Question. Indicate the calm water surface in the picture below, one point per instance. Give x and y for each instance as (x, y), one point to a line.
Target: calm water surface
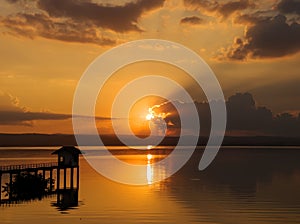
(243, 185)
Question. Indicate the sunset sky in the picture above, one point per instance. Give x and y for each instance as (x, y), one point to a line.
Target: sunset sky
(46, 45)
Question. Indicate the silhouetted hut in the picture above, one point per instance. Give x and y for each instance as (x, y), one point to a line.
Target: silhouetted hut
(68, 156)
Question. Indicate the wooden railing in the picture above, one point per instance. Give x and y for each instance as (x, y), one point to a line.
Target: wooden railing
(28, 166)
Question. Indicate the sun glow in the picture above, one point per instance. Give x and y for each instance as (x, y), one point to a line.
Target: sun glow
(149, 147)
(150, 115)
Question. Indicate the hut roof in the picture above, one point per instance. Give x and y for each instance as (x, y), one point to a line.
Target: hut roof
(70, 149)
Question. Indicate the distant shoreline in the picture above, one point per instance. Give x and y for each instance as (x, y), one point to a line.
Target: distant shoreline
(44, 140)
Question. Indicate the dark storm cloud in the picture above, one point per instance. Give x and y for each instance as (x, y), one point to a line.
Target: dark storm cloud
(266, 38)
(225, 9)
(243, 116)
(289, 6)
(192, 20)
(76, 20)
(118, 18)
(41, 25)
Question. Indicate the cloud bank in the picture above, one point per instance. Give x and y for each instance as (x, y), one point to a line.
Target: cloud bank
(271, 33)
(244, 117)
(118, 18)
(11, 113)
(80, 21)
(289, 6)
(269, 37)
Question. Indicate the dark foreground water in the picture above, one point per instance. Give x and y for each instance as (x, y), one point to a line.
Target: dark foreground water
(243, 185)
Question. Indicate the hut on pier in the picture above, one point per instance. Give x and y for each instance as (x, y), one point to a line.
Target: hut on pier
(67, 156)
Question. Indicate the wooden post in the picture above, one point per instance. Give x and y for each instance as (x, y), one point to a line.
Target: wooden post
(0, 187)
(72, 178)
(51, 177)
(57, 179)
(77, 179)
(10, 185)
(65, 178)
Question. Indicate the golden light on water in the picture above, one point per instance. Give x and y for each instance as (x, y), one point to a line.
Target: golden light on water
(149, 169)
(149, 174)
(149, 157)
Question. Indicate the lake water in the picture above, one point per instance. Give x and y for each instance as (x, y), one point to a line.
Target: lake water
(242, 185)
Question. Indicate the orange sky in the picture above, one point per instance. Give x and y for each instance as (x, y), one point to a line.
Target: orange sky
(47, 45)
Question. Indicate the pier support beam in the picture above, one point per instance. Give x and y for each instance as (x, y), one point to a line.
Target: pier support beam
(0, 187)
(77, 178)
(10, 185)
(72, 178)
(65, 178)
(51, 179)
(57, 179)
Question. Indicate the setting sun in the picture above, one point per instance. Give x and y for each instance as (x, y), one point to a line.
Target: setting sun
(149, 117)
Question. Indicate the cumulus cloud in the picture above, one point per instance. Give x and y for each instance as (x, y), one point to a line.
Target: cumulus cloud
(77, 20)
(192, 20)
(268, 33)
(244, 117)
(289, 6)
(224, 9)
(267, 37)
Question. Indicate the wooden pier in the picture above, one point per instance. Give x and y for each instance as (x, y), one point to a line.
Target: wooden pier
(68, 159)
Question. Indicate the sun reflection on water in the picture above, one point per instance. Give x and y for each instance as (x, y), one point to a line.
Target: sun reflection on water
(149, 169)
